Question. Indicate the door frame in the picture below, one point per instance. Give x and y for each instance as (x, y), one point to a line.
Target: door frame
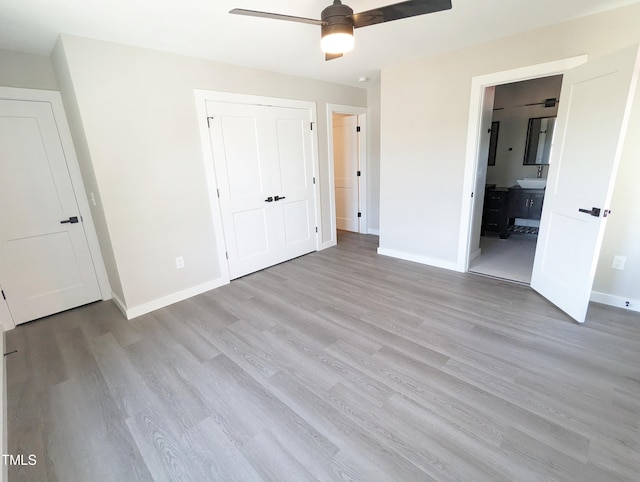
(361, 112)
(55, 100)
(201, 98)
(476, 127)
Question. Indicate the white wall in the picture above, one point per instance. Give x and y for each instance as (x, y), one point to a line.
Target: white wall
(27, 71)
(514, 117)
(135, 120)
(425, 106)
(622, 235)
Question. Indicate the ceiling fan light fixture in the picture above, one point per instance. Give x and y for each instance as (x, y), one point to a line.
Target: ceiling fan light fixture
(336, 36)
(337, 43)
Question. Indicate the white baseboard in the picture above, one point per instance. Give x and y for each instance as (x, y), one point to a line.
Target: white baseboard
(119, 303)
(438, 263)
(150, 306)
(373, 231)
(618, 301)
(328, 244)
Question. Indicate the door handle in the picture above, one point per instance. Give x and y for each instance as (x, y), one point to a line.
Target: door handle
(71, 220)
(277, 198)
(593, 211)
(269, 199)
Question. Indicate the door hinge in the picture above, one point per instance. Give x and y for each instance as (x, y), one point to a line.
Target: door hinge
(316, 229)
(311, 125)
(358, 129)
(218, 191)
(358, 173)
(226, 254)
(3, 295)
(314, 180)
(208, 121)
(359, 215)
(472, 194)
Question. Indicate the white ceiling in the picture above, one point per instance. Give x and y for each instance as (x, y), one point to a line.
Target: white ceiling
(203, 28)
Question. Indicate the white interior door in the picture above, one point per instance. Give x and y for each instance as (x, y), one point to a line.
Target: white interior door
(292, 174)
(264, 171)
(590, 128)
(346, 165)
(481, 170)
(240, 143)
(45, 263)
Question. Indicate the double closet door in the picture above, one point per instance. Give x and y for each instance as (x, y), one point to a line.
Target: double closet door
(263, 159)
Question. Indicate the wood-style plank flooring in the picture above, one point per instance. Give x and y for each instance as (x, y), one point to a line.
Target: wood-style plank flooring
(340, 365)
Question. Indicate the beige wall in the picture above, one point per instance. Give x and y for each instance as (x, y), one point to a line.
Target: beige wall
(135, 125)
(26, 71)
(425, 114)
(373, 161)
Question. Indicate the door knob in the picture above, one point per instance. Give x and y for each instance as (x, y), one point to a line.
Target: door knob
(593, 211)
(277, 198)
(71, 220)
(269, 199)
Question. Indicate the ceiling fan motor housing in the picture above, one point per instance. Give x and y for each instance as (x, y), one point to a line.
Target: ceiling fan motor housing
(337, 18)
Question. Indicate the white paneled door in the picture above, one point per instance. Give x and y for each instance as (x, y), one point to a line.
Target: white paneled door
(590, 129)
(45, 262)
(345, 171)
(264, 171)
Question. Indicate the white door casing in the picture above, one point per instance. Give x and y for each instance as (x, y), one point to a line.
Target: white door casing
(361, 113)
(481, 170)
(478, 110)
(590, 129)
(263, 162)
(346, 166)
(45, 266)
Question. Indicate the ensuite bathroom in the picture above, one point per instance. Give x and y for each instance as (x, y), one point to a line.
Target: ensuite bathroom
(521, 136)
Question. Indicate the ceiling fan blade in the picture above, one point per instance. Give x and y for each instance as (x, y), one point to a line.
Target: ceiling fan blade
(275, 16)
(399, 11)
(328, 57)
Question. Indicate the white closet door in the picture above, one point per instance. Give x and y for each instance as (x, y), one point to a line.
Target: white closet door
(241, 153)
(264, 171)
(293, 182)
(45, 263)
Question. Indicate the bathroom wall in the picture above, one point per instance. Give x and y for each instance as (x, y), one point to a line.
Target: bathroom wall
(511, 111)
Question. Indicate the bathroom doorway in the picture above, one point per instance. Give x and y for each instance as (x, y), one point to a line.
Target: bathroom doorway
(519, 145)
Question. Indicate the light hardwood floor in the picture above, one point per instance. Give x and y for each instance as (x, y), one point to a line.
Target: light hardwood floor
(340, 365)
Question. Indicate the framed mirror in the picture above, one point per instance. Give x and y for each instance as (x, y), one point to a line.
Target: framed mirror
(493, 143)
(539, 138)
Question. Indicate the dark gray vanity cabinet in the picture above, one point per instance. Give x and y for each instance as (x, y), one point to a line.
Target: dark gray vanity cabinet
(494, 213)
(525, 203)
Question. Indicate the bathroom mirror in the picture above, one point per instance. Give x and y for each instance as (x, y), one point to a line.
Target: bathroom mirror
(493, 143)
(539, 138)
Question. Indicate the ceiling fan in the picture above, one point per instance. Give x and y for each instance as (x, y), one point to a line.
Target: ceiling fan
(338, 20)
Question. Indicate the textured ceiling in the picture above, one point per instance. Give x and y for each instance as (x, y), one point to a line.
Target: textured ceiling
(203, 28)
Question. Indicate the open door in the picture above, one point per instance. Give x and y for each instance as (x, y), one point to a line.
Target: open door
(592, 118)
(346, 171)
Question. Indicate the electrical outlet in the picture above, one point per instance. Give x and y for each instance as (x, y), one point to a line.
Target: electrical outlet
(179, 262)
(618, 262)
